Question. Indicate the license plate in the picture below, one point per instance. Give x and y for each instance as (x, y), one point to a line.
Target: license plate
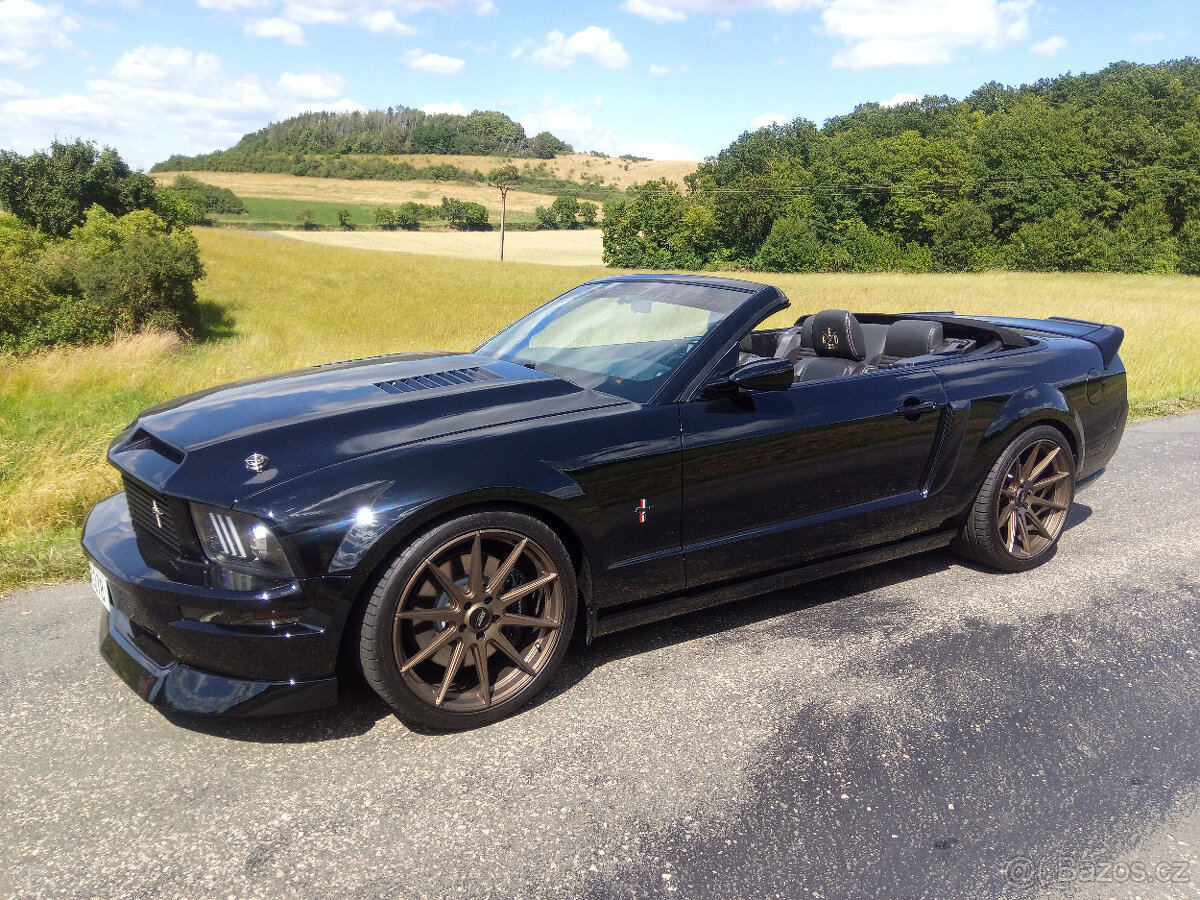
(100, 586)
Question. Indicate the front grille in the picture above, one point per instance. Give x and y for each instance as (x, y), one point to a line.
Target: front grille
(153, 517)
(437, 379)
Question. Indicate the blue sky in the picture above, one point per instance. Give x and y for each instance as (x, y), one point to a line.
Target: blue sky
(660, 78)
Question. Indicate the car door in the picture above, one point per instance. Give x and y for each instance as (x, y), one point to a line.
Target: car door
(776, 479)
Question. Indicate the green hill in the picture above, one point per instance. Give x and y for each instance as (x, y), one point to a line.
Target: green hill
(391, 132)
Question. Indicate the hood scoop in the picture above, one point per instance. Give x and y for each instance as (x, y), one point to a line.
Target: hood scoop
(450, 378)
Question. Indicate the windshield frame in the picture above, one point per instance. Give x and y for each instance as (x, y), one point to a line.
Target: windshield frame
(747, 304)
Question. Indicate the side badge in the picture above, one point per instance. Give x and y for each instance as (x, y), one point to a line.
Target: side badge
(256, 462)
(641, 509)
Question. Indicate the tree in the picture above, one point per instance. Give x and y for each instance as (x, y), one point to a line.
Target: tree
(503, 178)
(792, 246)
(343, 217)
(306, 219)
(647, 231)
(565, 209)
(52, 190)
(464, 214)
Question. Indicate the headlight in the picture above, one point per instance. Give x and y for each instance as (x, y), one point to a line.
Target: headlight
(239, 541)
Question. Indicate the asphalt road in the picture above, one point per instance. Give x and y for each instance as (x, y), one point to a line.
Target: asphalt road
(919, 729)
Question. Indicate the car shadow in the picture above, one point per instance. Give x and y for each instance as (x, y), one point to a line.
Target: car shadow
(710, 622)
(358, 710)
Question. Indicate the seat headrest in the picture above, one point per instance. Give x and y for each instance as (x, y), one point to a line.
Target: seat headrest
(911, 337)
(837, 333)
(806, 338)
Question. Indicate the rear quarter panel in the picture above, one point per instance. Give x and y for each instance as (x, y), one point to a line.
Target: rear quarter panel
(1059, 381)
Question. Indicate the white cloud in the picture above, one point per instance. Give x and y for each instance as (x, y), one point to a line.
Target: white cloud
(659, 71)
(26, 27)
(921, 32)
(455, 108)
(433, 62)
(668, 148)
(156, 101)
(13, 90)
(1050, 46)
(384, 21)
(678, 10)
(376, 16)
(311, 86)
(593, 42)
(655, 12)
(722, 26)
(1148, 37)
(233, 5)
(570, 122)
(288, 31)
(767, 119)
(899, 100)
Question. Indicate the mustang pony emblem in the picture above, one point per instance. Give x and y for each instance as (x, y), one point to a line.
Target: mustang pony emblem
(256, 462)
(158, 512)
(829, 340)
(641, 509)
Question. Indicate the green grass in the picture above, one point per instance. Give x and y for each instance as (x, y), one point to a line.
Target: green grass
(279, 304)
(263, 213)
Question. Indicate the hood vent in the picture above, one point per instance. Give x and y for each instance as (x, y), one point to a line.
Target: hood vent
(144, 440)
(437, 380)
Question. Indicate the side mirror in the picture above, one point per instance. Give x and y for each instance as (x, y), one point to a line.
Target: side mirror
(756, 375)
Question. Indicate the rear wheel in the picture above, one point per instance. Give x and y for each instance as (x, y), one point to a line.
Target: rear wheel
(1022, 508)
(470, 620)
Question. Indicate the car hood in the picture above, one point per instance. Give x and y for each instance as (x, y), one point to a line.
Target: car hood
(204, 446)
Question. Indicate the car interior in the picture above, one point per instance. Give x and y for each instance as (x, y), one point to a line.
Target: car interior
(835, 343)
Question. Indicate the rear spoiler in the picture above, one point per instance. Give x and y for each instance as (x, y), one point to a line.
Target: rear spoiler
(1107, 337)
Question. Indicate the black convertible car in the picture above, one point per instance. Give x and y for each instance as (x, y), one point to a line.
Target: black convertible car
(631, 450)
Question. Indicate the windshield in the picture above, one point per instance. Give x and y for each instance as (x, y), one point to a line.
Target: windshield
(621, 337)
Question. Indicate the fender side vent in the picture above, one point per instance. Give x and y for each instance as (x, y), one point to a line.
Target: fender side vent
(437, 380)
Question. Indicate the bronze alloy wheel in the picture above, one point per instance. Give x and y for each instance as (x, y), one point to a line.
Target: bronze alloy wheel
(470, 620)
(1033, 500)
(1022, 508)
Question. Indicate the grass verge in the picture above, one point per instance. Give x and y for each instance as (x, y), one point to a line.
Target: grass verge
(280, 304)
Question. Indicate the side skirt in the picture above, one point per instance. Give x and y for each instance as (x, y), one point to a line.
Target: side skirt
(687, 603)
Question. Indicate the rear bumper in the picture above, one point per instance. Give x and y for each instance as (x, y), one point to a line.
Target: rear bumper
(204, 649)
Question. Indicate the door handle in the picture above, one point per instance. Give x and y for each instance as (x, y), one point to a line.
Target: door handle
(914, 409)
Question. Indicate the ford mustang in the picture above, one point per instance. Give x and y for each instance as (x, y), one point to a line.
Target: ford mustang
(636, 448)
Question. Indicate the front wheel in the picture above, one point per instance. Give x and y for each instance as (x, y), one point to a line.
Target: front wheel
(470, 620)
(1022, 508)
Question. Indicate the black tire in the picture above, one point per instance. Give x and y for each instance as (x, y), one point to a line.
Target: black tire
(1022, 507)
(439, 615)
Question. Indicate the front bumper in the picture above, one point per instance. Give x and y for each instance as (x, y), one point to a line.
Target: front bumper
(164, 636)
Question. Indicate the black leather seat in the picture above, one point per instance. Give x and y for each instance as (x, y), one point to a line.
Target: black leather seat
(840, 346)
(907, 338)
(796, 341)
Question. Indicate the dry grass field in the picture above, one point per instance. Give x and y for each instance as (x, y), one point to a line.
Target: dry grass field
(559, 248)
(349, 190)
(392, 193)
(278, 304)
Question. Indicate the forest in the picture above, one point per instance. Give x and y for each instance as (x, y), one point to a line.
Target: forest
(394, 131)
(1088, 172)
